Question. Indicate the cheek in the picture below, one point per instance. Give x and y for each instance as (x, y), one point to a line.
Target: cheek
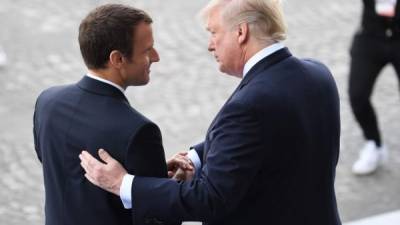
(222, 44)
(224, 50)
(144, 62)
(146, 65)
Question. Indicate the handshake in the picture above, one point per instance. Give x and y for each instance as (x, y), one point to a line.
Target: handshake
(180, 167)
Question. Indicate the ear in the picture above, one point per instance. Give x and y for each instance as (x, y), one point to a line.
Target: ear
(243, 33)
(116, 59)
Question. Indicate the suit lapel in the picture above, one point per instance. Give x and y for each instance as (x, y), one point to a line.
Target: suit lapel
(264, 64)
(258, 68)
(100, 88)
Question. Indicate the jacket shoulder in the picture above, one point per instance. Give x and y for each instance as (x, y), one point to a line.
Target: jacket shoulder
(55, 91)
(52, 94)
(285, 82)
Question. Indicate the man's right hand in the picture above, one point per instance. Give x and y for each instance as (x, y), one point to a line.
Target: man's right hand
(180, 167)
(108, 175)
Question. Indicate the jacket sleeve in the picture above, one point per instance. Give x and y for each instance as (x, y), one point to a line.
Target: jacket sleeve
(145, 155)
(234, 157)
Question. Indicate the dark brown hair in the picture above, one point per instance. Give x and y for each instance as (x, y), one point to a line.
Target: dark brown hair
(107, 28)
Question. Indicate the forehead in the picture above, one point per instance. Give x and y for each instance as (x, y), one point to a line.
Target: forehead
(214, 18)
(143, 33)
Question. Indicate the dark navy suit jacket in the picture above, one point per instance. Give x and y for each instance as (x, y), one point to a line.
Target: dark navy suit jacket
(91, 115)
(269, 156)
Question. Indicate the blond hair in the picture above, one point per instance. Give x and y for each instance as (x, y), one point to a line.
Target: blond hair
(264, 17)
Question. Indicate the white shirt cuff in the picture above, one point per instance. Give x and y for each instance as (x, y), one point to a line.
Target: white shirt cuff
(125, 192)
(192, 155)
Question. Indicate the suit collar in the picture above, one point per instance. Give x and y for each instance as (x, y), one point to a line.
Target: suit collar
(100, 88)
(264, 64)
(261, 66)
(260, 55)
(105, 81)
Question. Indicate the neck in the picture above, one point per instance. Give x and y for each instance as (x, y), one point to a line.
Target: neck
(254, 48)
(249, 50)
(108, 75)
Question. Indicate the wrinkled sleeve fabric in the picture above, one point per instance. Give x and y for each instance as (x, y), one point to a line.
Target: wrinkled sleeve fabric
(234, 157)
(145, 154)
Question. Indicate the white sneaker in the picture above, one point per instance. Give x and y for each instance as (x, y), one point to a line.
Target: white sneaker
(3, 58)
(371, 157)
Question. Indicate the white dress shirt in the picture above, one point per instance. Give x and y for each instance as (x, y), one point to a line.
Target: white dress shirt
(126, 186)
(105, 81)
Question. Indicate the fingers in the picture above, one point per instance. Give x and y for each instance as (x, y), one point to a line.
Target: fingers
(105, 156)
(107, 176)
(182, 163)
(184, 153)
(90, 164)
(179, 160)
(179, 175)
(85, 162)
(93, 181)
(183, 175)
(91, 161)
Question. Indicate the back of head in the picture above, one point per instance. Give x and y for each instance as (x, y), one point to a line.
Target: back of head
(107, 28)
(264, 17)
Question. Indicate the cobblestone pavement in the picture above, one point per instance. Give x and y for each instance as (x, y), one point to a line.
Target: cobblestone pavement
(40, 38)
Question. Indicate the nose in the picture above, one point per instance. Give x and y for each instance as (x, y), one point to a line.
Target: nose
(154, 56)
(211, 46)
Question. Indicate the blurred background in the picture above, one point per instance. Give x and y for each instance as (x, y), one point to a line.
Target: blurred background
(186, 90)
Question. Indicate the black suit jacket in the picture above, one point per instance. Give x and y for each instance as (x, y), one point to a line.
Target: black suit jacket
(90, 115)
(269, 157)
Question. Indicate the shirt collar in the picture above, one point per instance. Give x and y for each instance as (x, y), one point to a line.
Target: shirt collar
(105, 81)
(260, 55)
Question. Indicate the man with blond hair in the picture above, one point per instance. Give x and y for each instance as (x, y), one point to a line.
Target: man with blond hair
(270, 154)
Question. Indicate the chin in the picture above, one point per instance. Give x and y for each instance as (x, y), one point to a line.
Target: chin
(232, 73)
(140, 82)
(144, 82)
(222, 69)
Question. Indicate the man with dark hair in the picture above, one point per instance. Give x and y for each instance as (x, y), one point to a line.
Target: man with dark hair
(116, 43)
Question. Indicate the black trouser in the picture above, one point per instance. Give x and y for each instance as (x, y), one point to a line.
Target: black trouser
(368, 56)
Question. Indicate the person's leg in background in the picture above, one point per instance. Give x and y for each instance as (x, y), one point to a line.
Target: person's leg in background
(368, 59)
